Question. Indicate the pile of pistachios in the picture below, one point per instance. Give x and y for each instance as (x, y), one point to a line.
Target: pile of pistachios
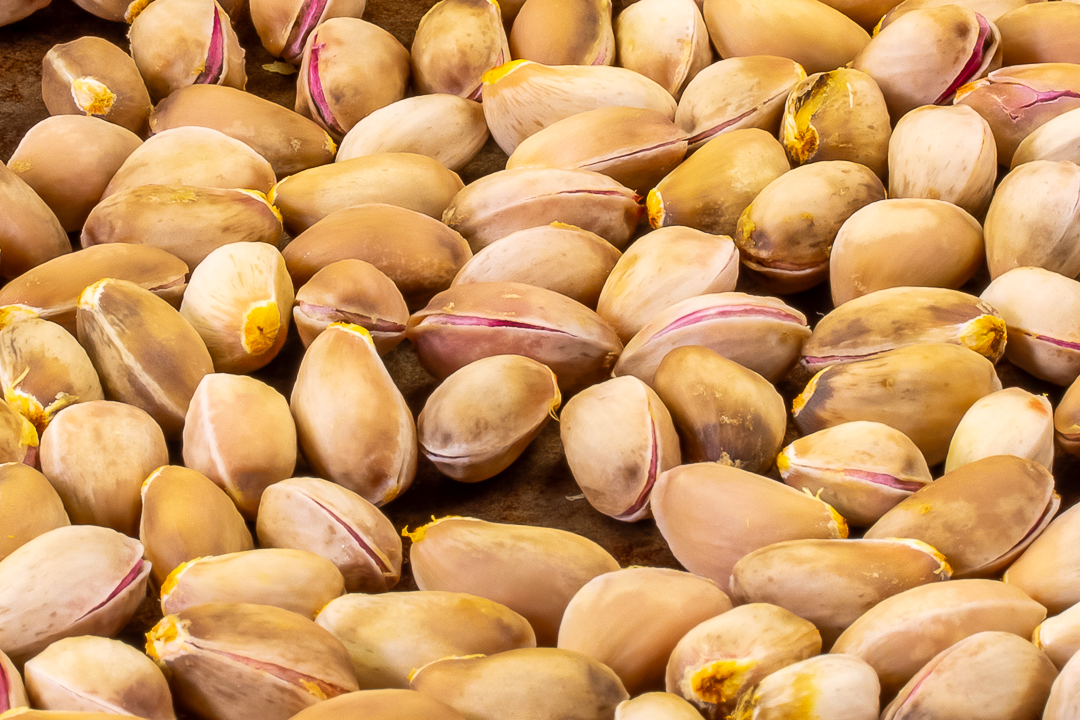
(677, 173)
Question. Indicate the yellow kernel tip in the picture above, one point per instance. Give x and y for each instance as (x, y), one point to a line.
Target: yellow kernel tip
(564, 226)
(271, 197)
(720, 681)
(654, 204)
(92, 96)
(808, 392)
(355, 330)
(985, 335)
(313, 689)
(496, 74)
(15, 712)
(1036, 637)
(261, 325)
(331, 146)
(29, 435)
(91, 294)
(420, 532)
(150, 479)
(968, 88)
(412, 673)
(134, 9)
(783, 462)
(166, 638)
(14, 313)
(839, 521)
(173, 579)
(26, 404)
(261, 197)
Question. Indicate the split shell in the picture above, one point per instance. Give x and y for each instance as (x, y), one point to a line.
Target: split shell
(30, 234)
(12, 691)
(1049, 568)
(838, 686)
(1007, 422)
(990, 9)
(455, 43)
(387, 704)
(31, 506)
(554, 32)
(1067, 421)
(18, 438)
(664, 40)
(284, 25)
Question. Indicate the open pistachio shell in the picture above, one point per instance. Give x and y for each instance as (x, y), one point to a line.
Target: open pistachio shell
(391, 704)
(618, 438)
(326, 519)
(664, 40)
(12, 691)
(456, 42)
(1058, 139)
(284, 25)
(441, 624)
(31, 507)
(1040, 33)
(1064, 700)
(632, 619)
(990, 9)
(30, 234)
(534, 571)
(351, 291)
(1059, 636)
(1067, 420)
(656, 706)
(1049, 568)
(839, 686)
(1007, 422)
(554, 32)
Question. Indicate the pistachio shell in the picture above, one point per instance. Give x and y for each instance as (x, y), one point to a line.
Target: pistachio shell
(1064, 700)
(837, 686)
(656, 706)
(12, 691)
(990, 9)
(556, 32)
(664, 40)
(284, 25)
(31, 507)
(1067, 420)
(18, 438)
(25, 713)
(393, 704)
(456, 42)
(1039, 33)
(1008, 422)
(1058, 139)
(17, 11)
(865, 12)
(1048, 569)
(1059, 636)
(30, 234)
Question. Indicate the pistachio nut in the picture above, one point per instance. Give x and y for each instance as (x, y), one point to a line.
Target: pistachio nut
(724, 412)
(31, 507)
(418, 253)
(332, 521)
(351, 291)
(287, 139)
(1067, 421)
(618, 437)
(632, 619)
(347, 407)
(12, 691)
(517, 685)
(456, 42)
(1058, 139)
(445, 127)
(944, 153)
(407, 180)
(25, 713)
(97, 455)
(1039, 33)
(186, 516)
(664, 40)
(471, 321)
(523, 97)
(387, 704)
(145, 352)
(441, 624)
(1048, 569)
(710, 190)
(739, 92)
(96, 674)
(30, 234)
(471, 434)
(714, 515)
(560, 257)
(15, 12)
(832, 583)
(1059, 636)
(901, 634)
(1064, 700)
(861, 468)
(284, 25)
(69, 159)
(989, 9)
(837, 686)
(295, 580)
(656, 706)
(903, 242)
(1007, 422)
(738, 326)
(1039, 307)
(921, 390)
(239, 432)
(18, 438)
(660, 269)
(534, 571)
(74, 580)
(244, 662)
(865, 12)
(91, 76)
(185, 42)
(553, 32)
(722, 658)
(837, 115)
(786, 234)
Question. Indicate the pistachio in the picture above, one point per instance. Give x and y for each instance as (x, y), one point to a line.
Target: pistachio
(239, 433)
(75, 580)
(827, 685)
(1008, 422)
(456, 42)
(618, 438)
(1059, 636)
(733, 324)
(12, 691)
(990, 9)
(865, 12)
(244, 661)
(656, 706)
(441, 624)
(534, 571)
(25, 713)
(1039, 34)
(329, 520)
(18, 438)
(1064, 700)
(30, 234)
(15, 12)
(632, 619)
(553, 32)
(471, 435)
(380, 705)
(284, 25)
(31, 507)
(664, 40)
(94, 674)
(1048, 569)
(347, 407)
(91, 76)
(295, 580)
(861, 468)
(1058, 139)
(471, 321)
(1067, 421)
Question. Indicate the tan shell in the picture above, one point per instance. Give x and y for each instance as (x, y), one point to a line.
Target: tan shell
(30, 234)
(556, 32)
(664, 40)
(284, 25)
(990, 9)
(31, 507)
(1058, 139)
(839, 686)
(381, 705)
(1048, 569)
(1039, 33)
(1064, 700)
(14, 12)
(865, 12)
(1059, 636)
(1067, 421)
(456, 42)
(656, 706)
(13, 694)
(1008, 422)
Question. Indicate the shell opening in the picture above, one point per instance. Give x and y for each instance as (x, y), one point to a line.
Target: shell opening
(720, 681)
(496, 74)
(92, 96)
(215, 56)
(261, 326)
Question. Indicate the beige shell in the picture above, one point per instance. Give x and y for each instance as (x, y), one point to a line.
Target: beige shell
(1059, 636)
(31, 506)
(554, 32)
(990, 9)
(1048, 569)
(1039, 34)
(1058, 139)
(664, 40)
(30, 234)
(456, 42)
(1007, 422)
(13, 694)
(284, 25)
(839, 686)
(656, 706)
(1064, 700)
(381, 705)
(1067, 421)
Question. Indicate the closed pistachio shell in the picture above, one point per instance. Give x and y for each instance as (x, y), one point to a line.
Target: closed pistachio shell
(725, 413)
(445, 127)
(239, 432)
(184, 42)
(346, 407)
(618, 438)
(714, 515)
(1059, 636)
(295, 580)
(865, 12)
(837, 115)
(97, 455)
(441, 624)
(1058, 139)
(95, 674)
(243, 661)
(1064, 700)
(14, 12)
(861, 468)
(1039, 33)
(456, 42)
(992, 10)
(30, 234)
(739, 92)
(91, 76)
(1048, 569)
(837, 686)
(284, 25)
(12, 691)
(710, 190)
(31, 507)
(944, 153)
(534, 571)
(414, 182)
(523, 97)
(732, 323)
(904, 242)
(722, 658)
(664, 40)
(471, 435)
(921, 390)
(326, 519)
(69, 159)
(75, 580)
(660, 269)
(471, 321)
(1067, 421)
(1038, 307)
(656, 706)
(392, 704)
(1008, 422)
(632, 619)
(558, 32)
